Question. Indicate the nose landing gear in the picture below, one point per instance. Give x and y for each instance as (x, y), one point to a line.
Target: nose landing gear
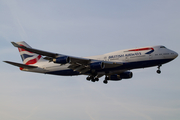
(159, 71)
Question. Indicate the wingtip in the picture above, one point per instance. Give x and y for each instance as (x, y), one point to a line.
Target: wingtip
(8, 62)
(5, 61)
(15, 44)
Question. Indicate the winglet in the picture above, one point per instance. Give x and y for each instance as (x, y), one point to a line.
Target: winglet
(15, 44)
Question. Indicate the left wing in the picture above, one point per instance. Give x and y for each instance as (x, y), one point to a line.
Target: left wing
(79, 64)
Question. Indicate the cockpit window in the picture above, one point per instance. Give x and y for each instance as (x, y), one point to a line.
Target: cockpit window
(162, 47)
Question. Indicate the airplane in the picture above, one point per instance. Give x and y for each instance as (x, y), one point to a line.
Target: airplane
(115, 66)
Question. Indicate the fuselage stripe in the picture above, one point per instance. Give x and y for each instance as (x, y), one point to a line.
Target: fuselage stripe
(143, 49)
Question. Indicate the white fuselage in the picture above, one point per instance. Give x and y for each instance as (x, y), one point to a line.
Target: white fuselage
(131, 58)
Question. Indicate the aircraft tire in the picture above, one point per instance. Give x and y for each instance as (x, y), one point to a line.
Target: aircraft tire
(158, 71)
(105, 81)
(96, 79)
(93, 80)
(88, 78)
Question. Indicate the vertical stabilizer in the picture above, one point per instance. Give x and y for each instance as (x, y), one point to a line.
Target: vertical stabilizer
(29, 57)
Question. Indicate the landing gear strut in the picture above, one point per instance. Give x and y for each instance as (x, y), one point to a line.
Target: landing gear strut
(159, 71)
(106, 80)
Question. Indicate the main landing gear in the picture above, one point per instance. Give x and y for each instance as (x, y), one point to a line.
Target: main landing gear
(92, 78)
(95, 78)
(159, 71)
(106, 80)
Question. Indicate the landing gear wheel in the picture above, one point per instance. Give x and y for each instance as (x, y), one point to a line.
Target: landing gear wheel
(158, 71)
(105, 81)
(88, 78)
(93, 80)
(96, 79)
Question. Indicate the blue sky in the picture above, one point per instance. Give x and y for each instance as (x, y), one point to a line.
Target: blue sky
(86, 28)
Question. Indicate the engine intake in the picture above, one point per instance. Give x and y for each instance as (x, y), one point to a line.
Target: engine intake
(62, 60)
(97, 65)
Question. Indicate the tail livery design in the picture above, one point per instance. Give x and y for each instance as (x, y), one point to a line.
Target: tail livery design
(28, 57)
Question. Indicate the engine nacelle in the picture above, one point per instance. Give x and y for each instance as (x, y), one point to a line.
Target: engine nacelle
(62, 60)
(124, 75)
(115, 77)
(97, 65)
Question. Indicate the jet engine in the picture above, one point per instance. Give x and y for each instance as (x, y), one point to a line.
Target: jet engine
(97, 65)
(62, 60)
(124, 75)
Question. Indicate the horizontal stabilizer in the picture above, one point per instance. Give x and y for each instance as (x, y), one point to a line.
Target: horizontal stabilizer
(20, 65)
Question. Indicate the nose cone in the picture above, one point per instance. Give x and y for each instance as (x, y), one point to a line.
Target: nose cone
(175, 54)
(172, 54)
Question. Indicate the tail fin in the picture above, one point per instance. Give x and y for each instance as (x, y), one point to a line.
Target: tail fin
(28, 57)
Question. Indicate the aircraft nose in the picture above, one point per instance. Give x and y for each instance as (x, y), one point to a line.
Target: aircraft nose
(176, 54)
(173, 54)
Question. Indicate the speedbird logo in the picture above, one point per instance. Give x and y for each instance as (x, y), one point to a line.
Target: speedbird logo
(28, 57)
(143, 49)
(137, 52)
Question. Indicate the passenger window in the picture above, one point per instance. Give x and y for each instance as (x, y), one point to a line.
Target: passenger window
(166, 53)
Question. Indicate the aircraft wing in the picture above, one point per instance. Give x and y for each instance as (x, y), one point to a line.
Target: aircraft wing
(51, 55)
(44, 53)
(79, 64)
(20, 65)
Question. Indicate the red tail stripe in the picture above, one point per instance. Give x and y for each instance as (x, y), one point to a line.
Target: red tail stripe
(33, 61)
